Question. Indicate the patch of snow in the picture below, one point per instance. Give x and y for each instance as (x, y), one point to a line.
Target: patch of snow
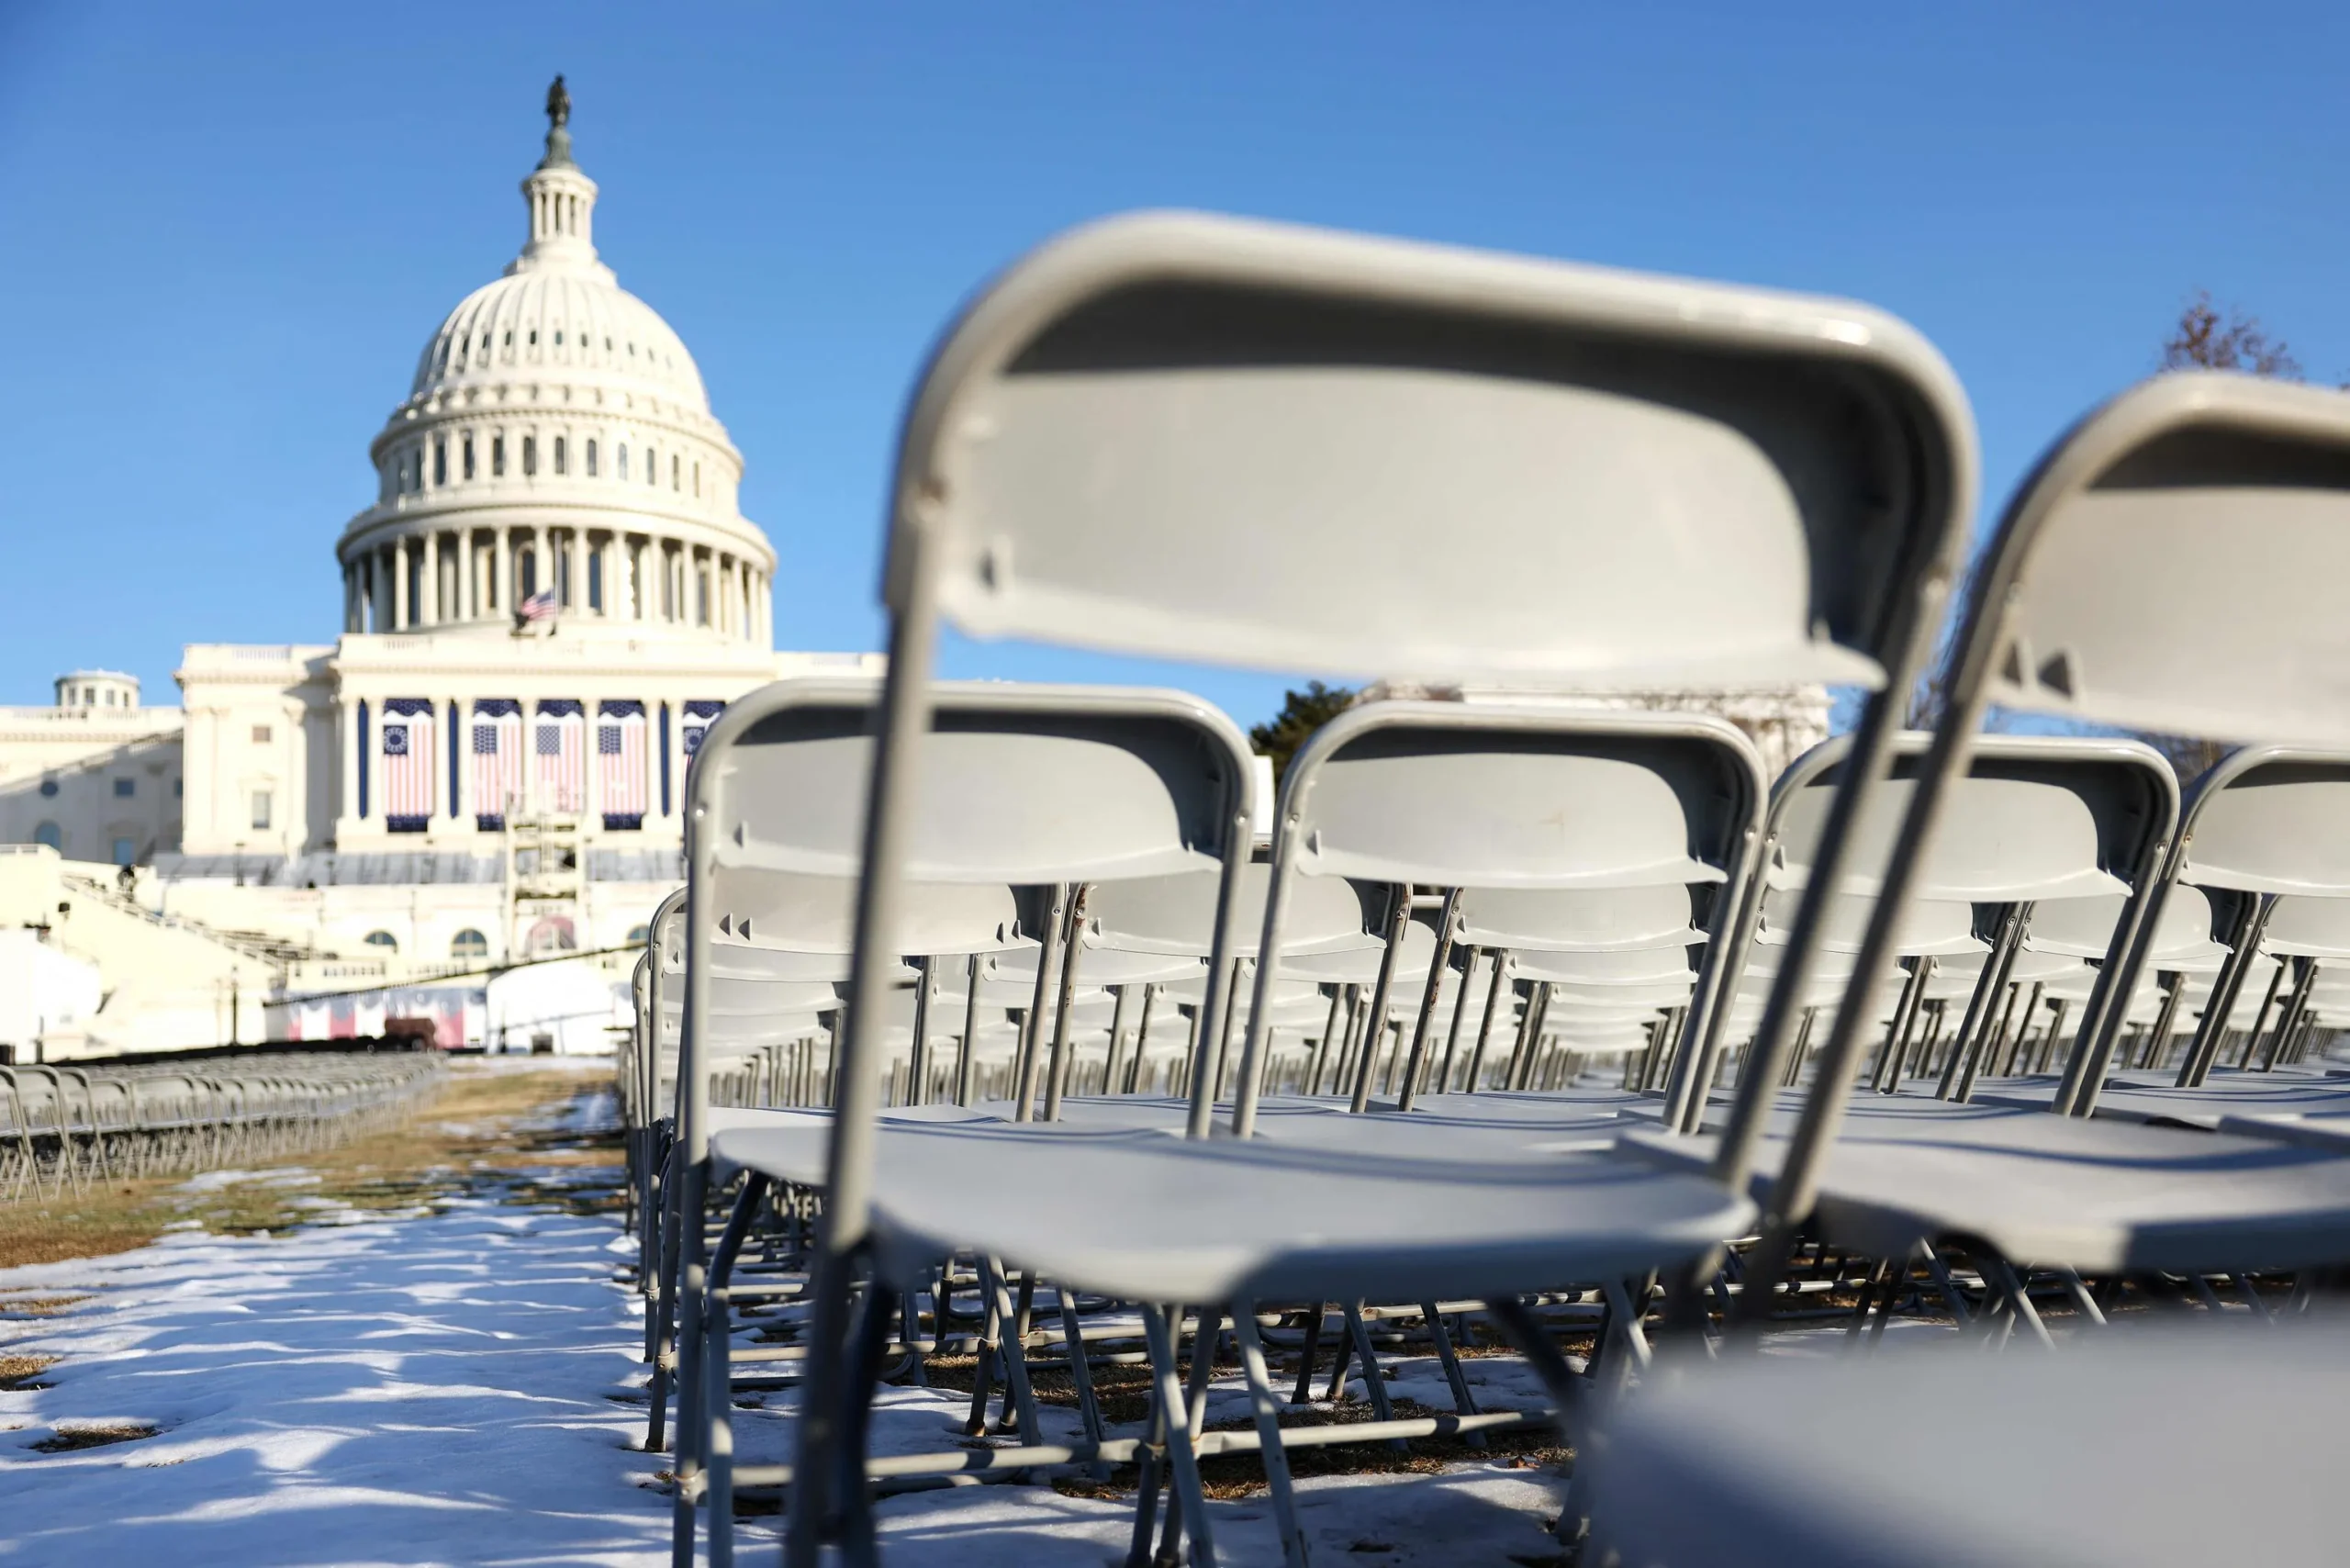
(448, 1388)
(215, 1181)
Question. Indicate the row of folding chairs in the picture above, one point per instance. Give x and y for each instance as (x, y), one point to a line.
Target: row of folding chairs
(1187, 438)
(2032, 816)
(66, 1127)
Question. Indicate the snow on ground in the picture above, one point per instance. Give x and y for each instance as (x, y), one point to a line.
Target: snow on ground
(461, 1385)
(419, 1390)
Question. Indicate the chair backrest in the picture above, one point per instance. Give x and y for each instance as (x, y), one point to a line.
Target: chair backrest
(1690, 483)
(1177, 916)
(1023, 784)
(2306, 928)
(1026, 785)
(2172, 565)
(1579, 920)
(2036, 817)
(2270, 819)
(1513, 796)
(792, 912)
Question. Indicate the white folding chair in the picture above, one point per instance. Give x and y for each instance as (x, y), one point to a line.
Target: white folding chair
(1189, 437)
(2170, 565)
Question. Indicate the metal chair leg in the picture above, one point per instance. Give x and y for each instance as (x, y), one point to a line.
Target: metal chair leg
(1267, 1409)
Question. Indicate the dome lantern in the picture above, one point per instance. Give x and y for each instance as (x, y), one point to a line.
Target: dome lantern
(562, 200)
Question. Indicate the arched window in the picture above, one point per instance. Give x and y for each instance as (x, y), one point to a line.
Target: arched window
(696, 478)
(384, 939)
(498, 457)
(591, 457)
(50, 834)
(652, 467)
(674, 472)
(558, 454)
(529, 456)
(469, 454)
(469, 944)
(441, 464)
(622, 458)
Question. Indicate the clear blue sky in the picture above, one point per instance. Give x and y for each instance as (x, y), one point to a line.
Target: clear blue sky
(226, 231)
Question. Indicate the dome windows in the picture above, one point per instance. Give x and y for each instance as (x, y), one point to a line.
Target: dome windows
(510, 338)
(558, 337)
(441, 464)
(591, 457)
(558, 454)
(498, 457)
(535, 337)
(529, 456)
(673, 471)
(468, 448)
(652, 467)
(623, 460)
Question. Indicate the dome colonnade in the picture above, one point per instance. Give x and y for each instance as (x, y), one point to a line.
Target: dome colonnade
(556, 439)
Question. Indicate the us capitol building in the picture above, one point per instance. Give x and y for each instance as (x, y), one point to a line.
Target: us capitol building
(553, 593)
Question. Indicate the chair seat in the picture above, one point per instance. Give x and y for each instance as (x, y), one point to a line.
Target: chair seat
(2245, 1097)
(1148, 1217)
(2069, 1461)
(2098, 1196)
(793, 1141)
(1166, 1219)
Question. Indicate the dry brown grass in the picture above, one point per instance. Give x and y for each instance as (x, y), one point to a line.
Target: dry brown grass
(95, 1435)
(474, 1129)
(18, 1372)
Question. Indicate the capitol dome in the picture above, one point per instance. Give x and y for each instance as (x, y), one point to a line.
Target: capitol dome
(556, 453)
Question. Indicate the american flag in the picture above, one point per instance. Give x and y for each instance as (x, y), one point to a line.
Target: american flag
(498, 760)
(539, 605)
(620, 761)
(555, 743)
(408, 764)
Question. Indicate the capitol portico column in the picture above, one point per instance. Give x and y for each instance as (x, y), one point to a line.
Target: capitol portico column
(403, 612)
(543, 564)
(433, 578)
(347, 760)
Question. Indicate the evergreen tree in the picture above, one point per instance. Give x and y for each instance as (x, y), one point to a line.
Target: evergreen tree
(1302, 713)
